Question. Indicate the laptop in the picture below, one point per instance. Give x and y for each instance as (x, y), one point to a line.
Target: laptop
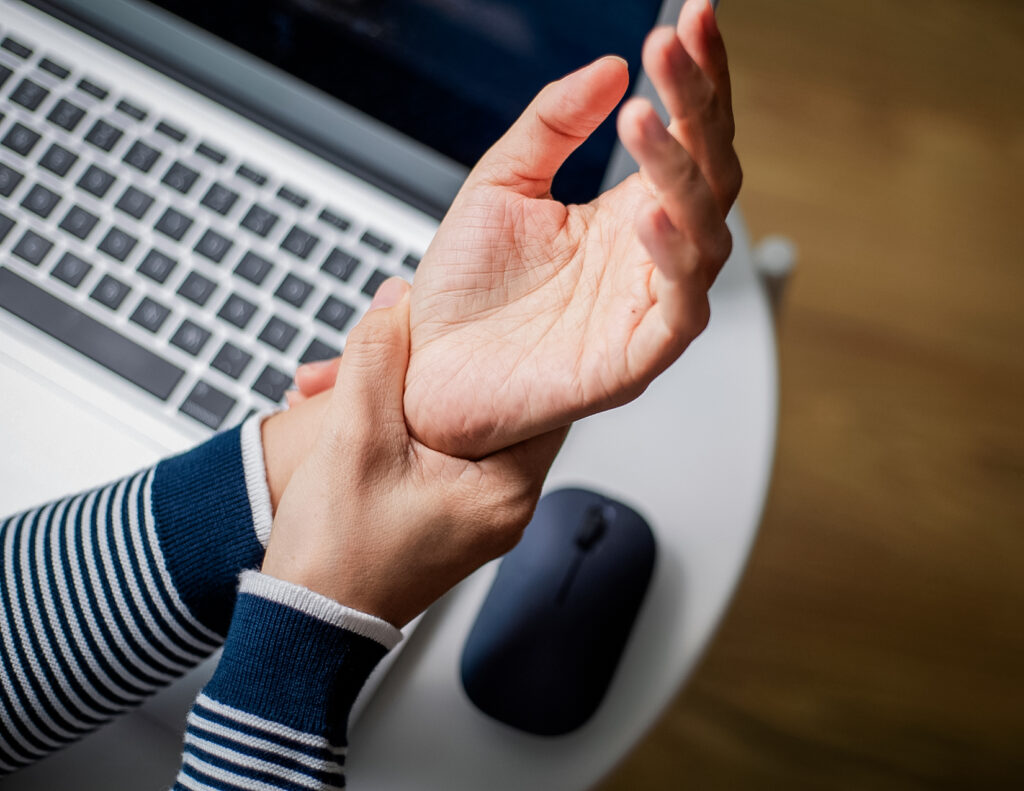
(196, 197)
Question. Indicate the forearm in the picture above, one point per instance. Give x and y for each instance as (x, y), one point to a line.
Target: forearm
(113, 593)
(275, 713)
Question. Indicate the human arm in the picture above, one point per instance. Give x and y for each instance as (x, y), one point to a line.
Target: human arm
(371, 519)
(110, 594)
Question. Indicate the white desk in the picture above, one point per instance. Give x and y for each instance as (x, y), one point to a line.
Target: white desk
(693, 454)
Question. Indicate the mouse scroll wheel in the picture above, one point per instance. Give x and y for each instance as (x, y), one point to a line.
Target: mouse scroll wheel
(593, 527)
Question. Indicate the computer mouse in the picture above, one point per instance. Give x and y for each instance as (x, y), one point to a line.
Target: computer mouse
(547, 639)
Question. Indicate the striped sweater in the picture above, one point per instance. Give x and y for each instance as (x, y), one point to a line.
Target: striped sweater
(112, 594)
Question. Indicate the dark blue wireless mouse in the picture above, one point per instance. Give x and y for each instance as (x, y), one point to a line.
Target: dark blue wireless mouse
(549, 635)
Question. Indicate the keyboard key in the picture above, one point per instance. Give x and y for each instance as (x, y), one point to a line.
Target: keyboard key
(87, 336)
(294, 290)
(71, 269)
(374, 241)
(96, 181)
(278, 333)
(6, 224)
(131, 110)
(300, 242)
(157, 266)
(110, 292)
(411, 261)
(180, 177)
(20, 139)
(340, 264)
(231, 360)
(66, 115)
(213, 246)
(32, 248)
(211, 153)
(150, 314)
(134, 202)
(9, 180)
(219, 198)
(5, 74)
(103, 135)
(94, 90)
(172, 132)
(29, 94)
(141, 156)
(208, 405)
(293, 197)
(58, 71)
(40, 201)
(174, 224)
(249, 174)
(237, 310)
(118, 244)
(190, 337)
(197, 288)
(318, 350)
(78, 222)
(58, 160)
(336, 220)
(373, 283)
(253, 268)
(335, 313)
(272, 384)
(16, 48)
(259, 220)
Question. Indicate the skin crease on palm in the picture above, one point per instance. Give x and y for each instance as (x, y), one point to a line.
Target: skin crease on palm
(527, 314)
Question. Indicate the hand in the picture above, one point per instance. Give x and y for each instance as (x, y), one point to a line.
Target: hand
(528, 314)
(376, 520)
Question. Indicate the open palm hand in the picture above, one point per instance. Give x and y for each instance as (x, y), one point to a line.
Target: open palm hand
(527, 314)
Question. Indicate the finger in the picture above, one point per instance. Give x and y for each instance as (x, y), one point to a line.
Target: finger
(315, 377)
(698, 30)
(681, 309)
(680, 186)
(699, 117)
(368, 392)
(557, 121)
(684, 273)
(293, 398)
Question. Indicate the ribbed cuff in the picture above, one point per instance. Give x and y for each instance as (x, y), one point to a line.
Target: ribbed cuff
(299, 667)
(319, 606)
(204, 523)
(256, 476)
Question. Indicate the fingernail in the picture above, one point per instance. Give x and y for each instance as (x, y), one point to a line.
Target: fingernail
(710, 20)
(389, 293)
(654, 127)
(313, 366)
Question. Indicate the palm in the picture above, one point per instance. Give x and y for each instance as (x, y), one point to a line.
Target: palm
(524, 301)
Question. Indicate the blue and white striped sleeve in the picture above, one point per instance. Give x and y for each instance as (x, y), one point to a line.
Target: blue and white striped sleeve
(111, 594)
(275, 713)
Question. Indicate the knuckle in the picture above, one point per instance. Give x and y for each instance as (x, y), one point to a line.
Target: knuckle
(716, 249)
(698, 319)
(736, 181)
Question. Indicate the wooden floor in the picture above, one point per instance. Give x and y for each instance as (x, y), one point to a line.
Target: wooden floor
(877, 640)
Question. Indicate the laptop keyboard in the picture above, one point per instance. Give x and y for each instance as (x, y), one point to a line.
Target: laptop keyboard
(189, 270)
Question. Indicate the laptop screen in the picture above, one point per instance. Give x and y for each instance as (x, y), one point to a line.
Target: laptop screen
(452, 74)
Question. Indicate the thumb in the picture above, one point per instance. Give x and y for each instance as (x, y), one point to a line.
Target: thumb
(558, 120)
(370, 386)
